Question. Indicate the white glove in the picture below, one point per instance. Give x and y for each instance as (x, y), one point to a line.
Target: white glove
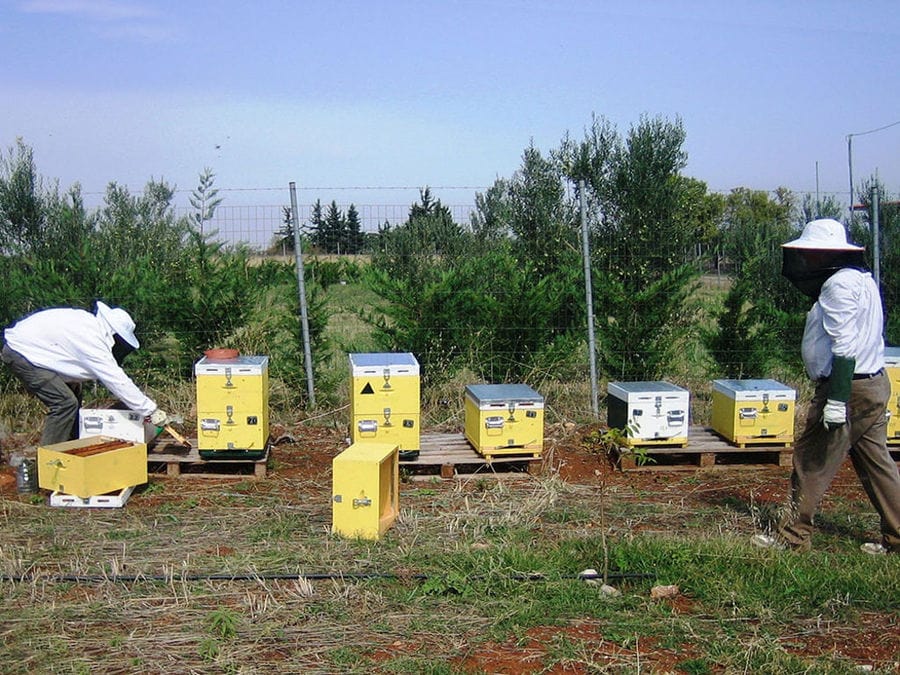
(834, 414)
(158, 418)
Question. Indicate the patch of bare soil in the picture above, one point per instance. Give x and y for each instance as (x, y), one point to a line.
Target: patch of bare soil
(580, 648)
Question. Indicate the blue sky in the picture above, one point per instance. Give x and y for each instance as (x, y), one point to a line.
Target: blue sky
(402, 93)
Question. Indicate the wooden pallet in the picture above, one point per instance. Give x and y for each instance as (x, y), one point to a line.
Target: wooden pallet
(452, 455)
(748, 441)
(178, 461)
(705, 449)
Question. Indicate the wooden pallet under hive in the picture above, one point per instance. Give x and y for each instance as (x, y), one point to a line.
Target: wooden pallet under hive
(451, 455)
(705, 449)
(179, 461)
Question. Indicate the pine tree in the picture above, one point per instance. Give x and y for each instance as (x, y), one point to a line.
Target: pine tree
(316, 226)
(353, 226)
(333, 230)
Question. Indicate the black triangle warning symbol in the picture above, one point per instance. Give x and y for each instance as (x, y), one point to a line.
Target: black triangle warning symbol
(367, 389)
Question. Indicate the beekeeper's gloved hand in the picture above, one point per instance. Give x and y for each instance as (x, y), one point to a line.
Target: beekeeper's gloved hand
(840, 383)
(834, 414)
(159, 418)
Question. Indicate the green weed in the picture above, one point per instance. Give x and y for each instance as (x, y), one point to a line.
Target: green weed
(223, 623)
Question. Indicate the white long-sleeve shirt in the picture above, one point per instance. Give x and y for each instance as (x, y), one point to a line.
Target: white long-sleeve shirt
(76, 345)
(847, 321)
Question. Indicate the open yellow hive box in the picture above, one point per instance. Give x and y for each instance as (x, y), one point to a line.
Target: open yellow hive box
(365, 489)
(92, 466)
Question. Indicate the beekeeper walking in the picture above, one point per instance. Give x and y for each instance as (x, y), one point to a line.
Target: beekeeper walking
(54, 350)
(843, 351)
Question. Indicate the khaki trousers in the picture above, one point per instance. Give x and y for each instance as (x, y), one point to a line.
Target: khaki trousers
(62, 399)
(819, 454)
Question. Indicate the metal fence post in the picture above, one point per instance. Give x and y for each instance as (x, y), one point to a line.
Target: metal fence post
(589, 299)
(301, 289)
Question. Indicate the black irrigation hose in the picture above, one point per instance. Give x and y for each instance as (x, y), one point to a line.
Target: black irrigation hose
(279, 576)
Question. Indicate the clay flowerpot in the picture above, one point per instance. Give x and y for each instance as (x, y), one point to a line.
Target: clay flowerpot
(221, 354)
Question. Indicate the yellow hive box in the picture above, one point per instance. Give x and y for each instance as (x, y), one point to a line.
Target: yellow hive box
(365, 489)
(753, 411)
(232, 405)
(385, 403)
(892, 367)
(504, 419)
(93, 466)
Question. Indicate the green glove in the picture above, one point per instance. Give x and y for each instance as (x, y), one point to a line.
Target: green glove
(841, 379)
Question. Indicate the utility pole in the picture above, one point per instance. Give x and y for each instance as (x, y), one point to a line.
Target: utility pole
(850, 163)
(818, 203)
(850, 157)
(876, 233)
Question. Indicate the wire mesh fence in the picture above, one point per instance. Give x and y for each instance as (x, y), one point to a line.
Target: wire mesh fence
(262, 227)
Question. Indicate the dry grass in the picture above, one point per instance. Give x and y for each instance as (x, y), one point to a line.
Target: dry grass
(172, 619)
(243, 576)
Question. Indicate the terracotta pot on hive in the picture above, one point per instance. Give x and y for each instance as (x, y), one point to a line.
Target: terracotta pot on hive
(221, 354)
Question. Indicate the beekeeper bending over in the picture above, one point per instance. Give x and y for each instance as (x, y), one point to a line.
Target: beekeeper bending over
(54, 350)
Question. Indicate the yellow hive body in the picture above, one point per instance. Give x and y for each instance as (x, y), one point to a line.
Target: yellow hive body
(365, 489)
(232, 403)
(504, 419)
(753, 411)
(892, 366)
(650, 413)
(385, 404)
(84, 469)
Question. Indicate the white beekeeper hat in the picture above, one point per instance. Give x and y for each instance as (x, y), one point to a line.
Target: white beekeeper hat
(824, 234)
(119, 322)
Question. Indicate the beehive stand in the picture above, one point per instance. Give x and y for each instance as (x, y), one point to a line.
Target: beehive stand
(181, 461)
(706, 450)
(110, 501)
(451, 455)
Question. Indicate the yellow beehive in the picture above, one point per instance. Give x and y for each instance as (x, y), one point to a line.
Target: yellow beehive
(504, 419)
(753, 411)
(93, 466)
(232, 406)
(385, 403)
(892, 366)
(365, 489)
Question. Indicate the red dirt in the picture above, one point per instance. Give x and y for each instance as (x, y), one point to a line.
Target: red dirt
(528, 654)
(871, 640)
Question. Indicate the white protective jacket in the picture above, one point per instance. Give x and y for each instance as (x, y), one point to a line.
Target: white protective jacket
(77, 345)
(846, 321)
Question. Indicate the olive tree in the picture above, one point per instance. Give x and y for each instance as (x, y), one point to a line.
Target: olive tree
(645, 220)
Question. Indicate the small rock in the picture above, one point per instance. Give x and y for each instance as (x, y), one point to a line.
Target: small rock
(611, 591)
(658, 592)
(589, 576)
